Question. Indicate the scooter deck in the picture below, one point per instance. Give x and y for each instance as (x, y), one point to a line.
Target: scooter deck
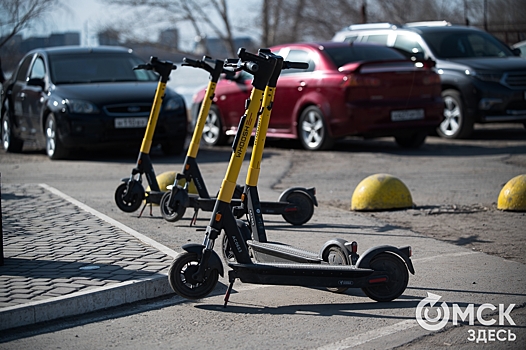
(278, 252)
(306, 275)
(207, 204)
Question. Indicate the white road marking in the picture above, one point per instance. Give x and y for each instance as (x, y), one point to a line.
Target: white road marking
(363, 338)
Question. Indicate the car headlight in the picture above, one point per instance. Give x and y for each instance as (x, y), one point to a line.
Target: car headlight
(81, 107)
(172, 104)
(486, 76)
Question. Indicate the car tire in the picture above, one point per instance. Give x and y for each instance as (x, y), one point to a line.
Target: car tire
(54, 147)
(10, 142)
(456, 124)
(213, 133)
(175, 147)
(414, 140)
(312, 130)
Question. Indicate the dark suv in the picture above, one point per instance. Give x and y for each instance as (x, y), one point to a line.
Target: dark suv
(483, 80)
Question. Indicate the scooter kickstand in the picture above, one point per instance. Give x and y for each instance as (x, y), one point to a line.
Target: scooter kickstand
(194, 218)
(232, 279)
(143, 207)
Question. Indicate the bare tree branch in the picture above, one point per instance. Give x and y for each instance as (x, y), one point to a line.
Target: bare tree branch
(16, 15)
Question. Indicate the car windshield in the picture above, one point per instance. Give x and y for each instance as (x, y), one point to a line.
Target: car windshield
(464, 44)
(342, 55)
(96, 68)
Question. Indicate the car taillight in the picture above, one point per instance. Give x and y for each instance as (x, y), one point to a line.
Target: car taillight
(354, 80)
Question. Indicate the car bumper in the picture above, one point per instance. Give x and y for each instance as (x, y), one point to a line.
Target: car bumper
(81, 131)
(374, 120)
(493, 103)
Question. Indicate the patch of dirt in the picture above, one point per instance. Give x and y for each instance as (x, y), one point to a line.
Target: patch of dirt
(478, 227)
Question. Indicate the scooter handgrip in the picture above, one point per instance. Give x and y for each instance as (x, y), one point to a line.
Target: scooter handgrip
(143, 66)
(252, 67)
(190, 62)
(295, 65)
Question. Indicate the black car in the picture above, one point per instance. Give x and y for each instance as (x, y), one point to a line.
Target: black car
(483, 80)
(68, 98)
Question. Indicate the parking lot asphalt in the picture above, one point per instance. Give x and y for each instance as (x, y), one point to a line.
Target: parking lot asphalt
(62, 258)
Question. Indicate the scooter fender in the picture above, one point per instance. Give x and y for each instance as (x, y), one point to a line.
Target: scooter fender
(338, 242)
(136, 187)
(308, 191)
(215, 260)
(365, 259)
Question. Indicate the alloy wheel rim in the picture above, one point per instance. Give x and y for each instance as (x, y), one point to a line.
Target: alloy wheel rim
(211, 128)
(50, 138)
(5, 134)
(312, 128)
(451, 122)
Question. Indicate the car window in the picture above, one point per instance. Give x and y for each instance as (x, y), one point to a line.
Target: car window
(96, 67)
(299, 56)
(465, 45)
(21, 75)
(376, 39)
(351, 38)
(355, 53)
(408, 44)
(38, 70)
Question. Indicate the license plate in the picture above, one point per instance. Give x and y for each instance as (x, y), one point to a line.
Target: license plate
(410, 114)
(121, 123)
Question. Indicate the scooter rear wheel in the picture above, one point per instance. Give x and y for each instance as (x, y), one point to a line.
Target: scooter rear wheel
(169, 213)
(397, 273)
(303, 211)
(131, 203)
(180, 277)
(336, 257)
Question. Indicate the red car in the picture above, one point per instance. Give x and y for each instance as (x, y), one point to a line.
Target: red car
(349, 89)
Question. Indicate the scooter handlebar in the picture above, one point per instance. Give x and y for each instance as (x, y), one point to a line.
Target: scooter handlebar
(155, 64)
(235, 65)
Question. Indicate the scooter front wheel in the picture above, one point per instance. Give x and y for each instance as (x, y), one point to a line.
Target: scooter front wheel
(129, 202)
(300, 209)
(397, 274)
(182, 281)
(176, 212)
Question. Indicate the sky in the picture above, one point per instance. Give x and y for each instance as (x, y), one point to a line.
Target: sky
(87, 16)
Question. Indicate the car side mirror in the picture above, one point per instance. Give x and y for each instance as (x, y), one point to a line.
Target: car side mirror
(36, 82)
(418, 56)
(516, 51)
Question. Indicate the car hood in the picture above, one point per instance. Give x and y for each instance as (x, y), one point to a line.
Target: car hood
(109, 93)
(488, 63)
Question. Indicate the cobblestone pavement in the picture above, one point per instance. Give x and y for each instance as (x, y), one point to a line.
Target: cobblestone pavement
(60, 253)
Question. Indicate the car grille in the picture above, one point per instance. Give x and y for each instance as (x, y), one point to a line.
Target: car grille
(516, 80)
(128, 110)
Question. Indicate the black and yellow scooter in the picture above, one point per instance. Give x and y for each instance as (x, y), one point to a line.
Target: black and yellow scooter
(130, 194)
(381, 272)
(295, 205)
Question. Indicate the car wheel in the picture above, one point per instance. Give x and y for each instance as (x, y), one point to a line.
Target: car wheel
(456, 123)
(414, 140)
(10, 142)
(213, 134)
(175, 147)
(312, 130)
(54, 147)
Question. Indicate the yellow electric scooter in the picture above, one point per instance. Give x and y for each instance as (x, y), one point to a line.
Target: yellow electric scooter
(381, 272)
(295, 205)
(130, 194)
